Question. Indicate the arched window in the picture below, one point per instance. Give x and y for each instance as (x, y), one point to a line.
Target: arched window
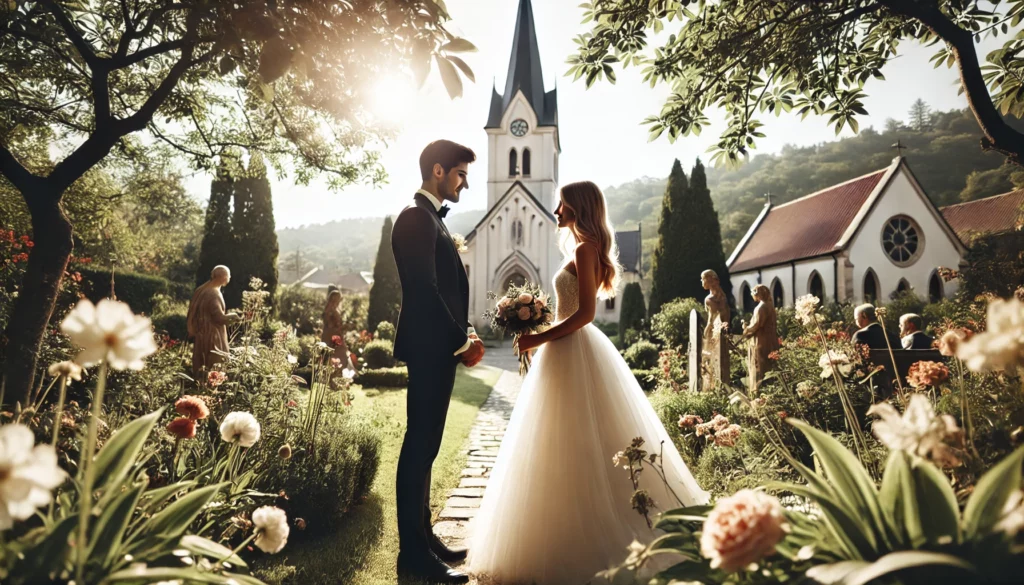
(777, 297)
(870, 286)
(526, 162)
(748, 301)
(816, 286)
(903, 286)
(936, 291)
(517, 232)
(513, 163)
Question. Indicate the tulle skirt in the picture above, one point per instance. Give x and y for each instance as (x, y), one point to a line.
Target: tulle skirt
(556, 511)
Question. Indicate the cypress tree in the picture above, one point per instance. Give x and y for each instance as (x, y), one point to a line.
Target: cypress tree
(632, 314)
(665, 278)
(701, 247)
(386, 292)
(255, 228)
(217, 246)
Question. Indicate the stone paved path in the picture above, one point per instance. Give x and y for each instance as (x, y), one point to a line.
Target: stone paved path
(482, 451)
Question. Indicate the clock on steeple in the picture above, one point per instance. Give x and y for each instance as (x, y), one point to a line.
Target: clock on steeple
(519, 127)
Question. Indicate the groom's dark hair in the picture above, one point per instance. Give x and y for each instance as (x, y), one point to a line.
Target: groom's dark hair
(445, 153)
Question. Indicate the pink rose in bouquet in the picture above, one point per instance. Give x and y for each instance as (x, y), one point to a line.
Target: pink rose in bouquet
(524, 313)
(522, 309)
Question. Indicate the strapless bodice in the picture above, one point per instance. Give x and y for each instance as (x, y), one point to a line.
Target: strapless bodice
(567, 294)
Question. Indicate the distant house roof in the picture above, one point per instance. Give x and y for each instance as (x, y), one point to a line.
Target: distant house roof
(524, 73)
(352, 282)
(629, 250)
(997, 214)
(806, 227)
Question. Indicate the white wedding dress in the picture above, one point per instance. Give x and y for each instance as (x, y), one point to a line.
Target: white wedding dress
(556, 511)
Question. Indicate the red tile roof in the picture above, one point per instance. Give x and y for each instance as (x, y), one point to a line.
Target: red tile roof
(1001, 213)
(806, 227)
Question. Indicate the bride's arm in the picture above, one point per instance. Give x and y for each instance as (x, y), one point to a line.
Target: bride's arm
(586, 277)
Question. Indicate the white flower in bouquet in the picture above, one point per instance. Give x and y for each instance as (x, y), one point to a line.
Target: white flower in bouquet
(541, 303)
(619, 460)
(28, 474)
(806, 309)
(1001, 346)
(68, 369)
(742, 529)
(109, 331)
(524, 313)
(271, 525)
(241, 427)
(918, 431)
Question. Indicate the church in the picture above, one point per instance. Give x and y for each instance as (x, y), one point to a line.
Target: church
(516, 241)
(863, 241)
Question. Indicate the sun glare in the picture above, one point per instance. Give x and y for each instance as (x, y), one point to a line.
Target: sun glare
(391, 98)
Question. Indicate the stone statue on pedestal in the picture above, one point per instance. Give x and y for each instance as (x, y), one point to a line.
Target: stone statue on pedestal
(208, 323)
(763, 334)
(716, 342)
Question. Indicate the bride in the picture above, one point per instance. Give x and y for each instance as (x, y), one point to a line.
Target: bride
(556, 510)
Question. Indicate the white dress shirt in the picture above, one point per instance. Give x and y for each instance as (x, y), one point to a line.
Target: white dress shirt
(437, 207)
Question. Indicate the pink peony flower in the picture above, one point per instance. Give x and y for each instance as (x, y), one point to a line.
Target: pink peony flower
(524, 313)
(337, 340)
(728, 436)
(924, 373)
(541, 303)
(192, 407)
(182, 428)
(526, 298)
(689, 421)
(215, 378)
(742, 529)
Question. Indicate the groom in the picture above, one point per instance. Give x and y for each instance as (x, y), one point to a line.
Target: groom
(433, 337)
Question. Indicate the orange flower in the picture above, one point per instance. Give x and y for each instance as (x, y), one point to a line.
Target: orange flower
(924, 373)
(182, 428)
(192, 407)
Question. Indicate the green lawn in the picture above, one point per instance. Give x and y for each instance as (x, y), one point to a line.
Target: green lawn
(364, 550)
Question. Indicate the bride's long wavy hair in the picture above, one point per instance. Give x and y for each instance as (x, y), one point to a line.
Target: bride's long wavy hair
(592, 225)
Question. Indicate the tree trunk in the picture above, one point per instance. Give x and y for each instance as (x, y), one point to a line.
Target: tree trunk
(51, 232)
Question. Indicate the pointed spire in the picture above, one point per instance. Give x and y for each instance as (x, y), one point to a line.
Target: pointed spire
(524, 73)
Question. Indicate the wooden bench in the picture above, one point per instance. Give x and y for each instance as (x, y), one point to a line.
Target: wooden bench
(904, 359)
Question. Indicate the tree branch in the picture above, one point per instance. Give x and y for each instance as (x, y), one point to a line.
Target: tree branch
(74, 35)
(143, 54)
(18, 175)
(999, 136)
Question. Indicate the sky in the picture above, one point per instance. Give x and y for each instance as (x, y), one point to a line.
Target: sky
(601, 133)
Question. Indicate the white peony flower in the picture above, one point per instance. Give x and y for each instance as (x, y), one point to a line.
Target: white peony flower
(1001, 345)
(292, 359)
(28, 473)
(918, 431)
(348, 373)
(742, 529)
(241, 427)
(839, 360)
(109, 331)
(806, 307)
(69, 369)
(1012, 517)
(272, 529)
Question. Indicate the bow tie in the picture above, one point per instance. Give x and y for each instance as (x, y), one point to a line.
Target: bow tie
(443, 211)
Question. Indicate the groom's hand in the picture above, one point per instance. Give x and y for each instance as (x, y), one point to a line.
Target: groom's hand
(475, 353)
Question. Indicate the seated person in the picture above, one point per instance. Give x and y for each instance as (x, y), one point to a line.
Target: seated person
(911, 332)
(871, 332)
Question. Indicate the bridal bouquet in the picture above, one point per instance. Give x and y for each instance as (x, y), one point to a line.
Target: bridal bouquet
(521, 309)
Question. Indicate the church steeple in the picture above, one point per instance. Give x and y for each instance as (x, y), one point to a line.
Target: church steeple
(524, 73)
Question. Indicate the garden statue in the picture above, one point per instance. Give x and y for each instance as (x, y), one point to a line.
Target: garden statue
(715, 342)
(334, 330)
(208, 321)
(763, 334)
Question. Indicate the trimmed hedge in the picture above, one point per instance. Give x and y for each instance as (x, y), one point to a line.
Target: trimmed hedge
(378, 354)
(642, 355)
(133, 288)
(175, 325)
(648, 379)
(384, 378)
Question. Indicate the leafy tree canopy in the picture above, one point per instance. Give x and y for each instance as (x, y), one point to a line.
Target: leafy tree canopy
(749, 58)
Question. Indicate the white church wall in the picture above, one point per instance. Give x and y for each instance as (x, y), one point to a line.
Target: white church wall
(825, 268)
(784, 274)
(866, 251)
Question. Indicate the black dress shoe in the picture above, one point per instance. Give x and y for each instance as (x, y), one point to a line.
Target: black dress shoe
(427, 567)
(446, 553)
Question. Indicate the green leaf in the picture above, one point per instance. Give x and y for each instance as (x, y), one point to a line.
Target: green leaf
(449, 76)
(834, 573)
(200, 546)
(902, 560)
(108, 533)
(896, 496)
(118, 455)
(847, 476)
(851, 531)
(48, 556)
(188, 575)
(169, 524)
(463, 67)
(940, 513)
(985, 507)
(458, 46)
(154, 499)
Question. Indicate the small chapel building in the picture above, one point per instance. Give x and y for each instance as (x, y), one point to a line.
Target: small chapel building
(859, 241)
(516, 240)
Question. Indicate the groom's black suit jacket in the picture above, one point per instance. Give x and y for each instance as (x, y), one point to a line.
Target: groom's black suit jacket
(435, 289)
